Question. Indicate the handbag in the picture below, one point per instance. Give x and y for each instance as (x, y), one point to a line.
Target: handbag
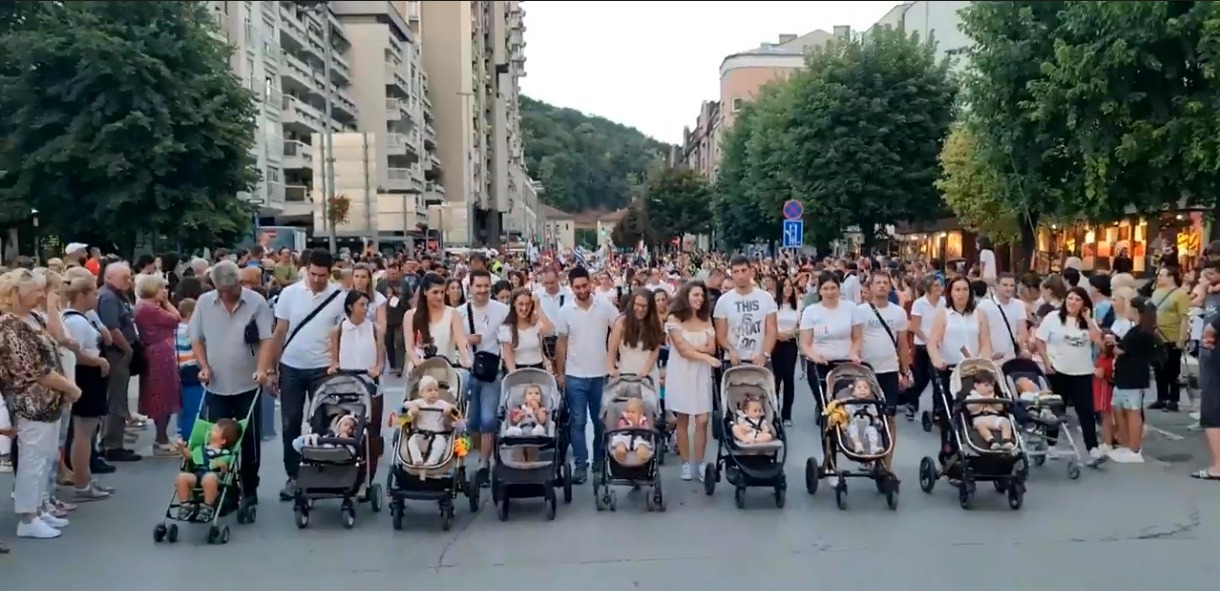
(1016, 348)
(486, 365)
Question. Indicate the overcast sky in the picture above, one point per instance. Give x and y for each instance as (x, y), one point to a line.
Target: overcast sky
(650, 64)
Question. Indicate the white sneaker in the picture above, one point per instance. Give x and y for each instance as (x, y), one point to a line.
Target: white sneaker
(1097, 455)
(1127, 456)
(1106, 449)
(686, 472)
(53, 521)
(702, 471)
(36, 529)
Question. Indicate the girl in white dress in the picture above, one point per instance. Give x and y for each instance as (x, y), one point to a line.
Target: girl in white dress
(433, 329)
(688, 376)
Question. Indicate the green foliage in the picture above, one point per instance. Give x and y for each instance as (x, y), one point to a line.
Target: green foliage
(1137, 103)
(584, 162)
(123, 119)
(971, 187)
(633, 228)
(855, 137)
(677, 204)
(1038, 170)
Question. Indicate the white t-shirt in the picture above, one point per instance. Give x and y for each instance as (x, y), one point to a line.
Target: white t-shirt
(787, 319)
(1002, 336)
(83, 331)
(487, 321)
(1067, 345)
(1121, 326)
(851, 289)
(310, 349)
(831, 329)
(987, 261)
(552, 303)
(746, 317)
(879, 350)
(529, 344)
(926, 312)
(588, 330)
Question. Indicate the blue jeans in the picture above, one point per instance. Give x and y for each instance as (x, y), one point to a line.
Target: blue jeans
(584, 399)
(484, 406)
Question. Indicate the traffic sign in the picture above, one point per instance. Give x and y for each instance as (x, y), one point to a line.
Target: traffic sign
(794, 233)
(793, 210)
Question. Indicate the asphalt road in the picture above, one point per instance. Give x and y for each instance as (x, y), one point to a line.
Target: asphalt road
(1124, 527)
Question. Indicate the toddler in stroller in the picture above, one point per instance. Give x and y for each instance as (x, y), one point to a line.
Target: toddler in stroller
(430, 424)
(987, 416)
(207, 461)
(631, 413)
(864, 427)
(751, 425)
(530, 418)
(344, 427)
(621, 443)
(334, 449)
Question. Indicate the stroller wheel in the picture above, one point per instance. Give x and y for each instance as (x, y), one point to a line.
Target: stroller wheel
(709, 478)
(891, 494)
(658, 497)
(159, 533)
(781, 497)
(376, 497)
(349, 514)
(1016, 496)
(566, 471)
(1000, 486)
(927, 474)
(841, 496)
(1073, 470)
(171, 535)
(611, 501)
(739, 497)
(812, 475)
(446, 516)
(502, 510)
(472, 496)
(925, 421)
(396, 519)
(965, 496)
(301, 513)
(552, 505)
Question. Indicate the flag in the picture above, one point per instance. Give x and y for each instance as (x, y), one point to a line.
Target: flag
(579, 255)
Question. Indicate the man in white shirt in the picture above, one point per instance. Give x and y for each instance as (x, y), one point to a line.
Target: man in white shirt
(923, 312)
(987, 264)
(851, 284)
(1006, 320)
(552, 297)
(745, 318)
(478, 262)
(305, 312)
(583, 325)
(882, 329)
(482, 317)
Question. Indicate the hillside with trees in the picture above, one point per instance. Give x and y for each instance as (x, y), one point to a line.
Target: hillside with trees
(585, 162)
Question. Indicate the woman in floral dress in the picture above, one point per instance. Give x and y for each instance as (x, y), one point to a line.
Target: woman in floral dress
(160, 392)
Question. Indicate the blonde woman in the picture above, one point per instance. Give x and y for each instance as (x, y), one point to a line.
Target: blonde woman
(35, 392)
(47, 317)
(91, 373)
(160, 391)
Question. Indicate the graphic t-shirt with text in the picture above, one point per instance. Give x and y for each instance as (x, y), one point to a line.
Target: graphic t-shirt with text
(746, 317)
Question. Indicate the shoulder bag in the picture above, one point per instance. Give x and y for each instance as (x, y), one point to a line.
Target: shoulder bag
(314, 314)
(1016, 348)
(486, 365)
(885, 325)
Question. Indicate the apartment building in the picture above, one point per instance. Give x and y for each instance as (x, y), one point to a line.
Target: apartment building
(473, 51)
(742, 74)
(937, 20)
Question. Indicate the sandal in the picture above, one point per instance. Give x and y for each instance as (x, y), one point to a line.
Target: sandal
(1205, 474)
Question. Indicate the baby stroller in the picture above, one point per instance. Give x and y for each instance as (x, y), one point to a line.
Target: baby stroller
(529, 466)
(229, 501)
(444, 480)
(336, 467)
(1041, 416)
(751, 464)
(842, 409)
(968, 459)
(633, 472)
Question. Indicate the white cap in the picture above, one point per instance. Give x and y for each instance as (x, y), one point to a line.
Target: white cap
(75, 247)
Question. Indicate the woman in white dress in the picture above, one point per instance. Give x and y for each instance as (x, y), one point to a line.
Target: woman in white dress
(433, 329)
(688, 376)
(636, 338)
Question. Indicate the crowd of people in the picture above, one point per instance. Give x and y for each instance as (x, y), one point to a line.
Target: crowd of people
(252, 325)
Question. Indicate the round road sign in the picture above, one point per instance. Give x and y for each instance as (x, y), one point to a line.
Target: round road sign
(793, 210)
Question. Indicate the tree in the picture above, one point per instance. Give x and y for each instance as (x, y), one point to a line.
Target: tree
(585, 162)
(633, 228)
(971, 188)
(123, 119)
(1137, 102)
(748, 173)
(677, 203)
(859, 144)
(1037, 167)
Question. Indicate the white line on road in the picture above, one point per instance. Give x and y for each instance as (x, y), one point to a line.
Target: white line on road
(1170, 435)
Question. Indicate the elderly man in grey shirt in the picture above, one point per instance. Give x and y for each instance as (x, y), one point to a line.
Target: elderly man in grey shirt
(115, 311)
(231, 337)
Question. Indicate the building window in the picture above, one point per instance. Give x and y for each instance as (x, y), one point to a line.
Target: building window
(737, 103)
(250, 73)
(273, 175)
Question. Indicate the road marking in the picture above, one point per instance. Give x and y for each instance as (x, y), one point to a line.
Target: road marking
(1170, 435)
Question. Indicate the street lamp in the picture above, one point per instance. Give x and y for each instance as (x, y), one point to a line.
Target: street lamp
(37, 246)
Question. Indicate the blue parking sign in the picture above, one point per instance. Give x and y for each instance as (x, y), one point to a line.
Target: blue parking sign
(794, 233)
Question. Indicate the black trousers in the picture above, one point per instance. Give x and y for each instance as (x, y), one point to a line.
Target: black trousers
(783, 362)
(921, 374)
(1078, 392)
(1168, 391)
(815, 374)
(238, 407)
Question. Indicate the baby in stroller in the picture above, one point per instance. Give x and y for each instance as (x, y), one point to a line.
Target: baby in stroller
(431, 421)
(530, 418)
(206, 462)
(989, 418)
(344, 426)
(633, 417)
(864, 428)
(751, 425)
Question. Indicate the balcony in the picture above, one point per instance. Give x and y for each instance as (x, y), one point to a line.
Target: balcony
(292, 30)
(298, 74)
(271, 51)
(339, 68)
(296, 194)
(397, 144)
(298, 155)
(394, 77)
(300, 116)
(394, 109)
(400, 180)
